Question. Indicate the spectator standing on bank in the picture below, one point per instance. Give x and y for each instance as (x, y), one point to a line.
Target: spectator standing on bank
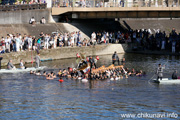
(173, 46)
(8, 42)
(30, 42)
(46, 43)
(14, 43)
(39, 43)
(3, 44)
(17, 39)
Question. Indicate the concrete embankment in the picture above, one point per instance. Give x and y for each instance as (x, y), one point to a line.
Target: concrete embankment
(35, 30)
(23, 16)
(61, 53)
(88, 26)
(152, 24)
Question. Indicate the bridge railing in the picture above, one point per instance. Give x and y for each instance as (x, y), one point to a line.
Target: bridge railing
(116, 3)
(22, 7)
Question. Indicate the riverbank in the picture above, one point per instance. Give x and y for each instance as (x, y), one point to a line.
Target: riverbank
(61, 53)
(70, 52)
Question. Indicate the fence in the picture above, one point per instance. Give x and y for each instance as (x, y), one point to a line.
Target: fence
(116, 3)
(22, 7)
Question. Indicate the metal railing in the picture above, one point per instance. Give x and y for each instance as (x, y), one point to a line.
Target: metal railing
(116, 3)
(22, 7)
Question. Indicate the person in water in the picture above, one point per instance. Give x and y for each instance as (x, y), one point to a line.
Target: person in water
(22, 64)
(159, 72)
(115, 58)
(38, 73)
(123, 61)
(31, 72)
(10, 65)
(44, 73)
(59, 74)
(174, 75)
(48, 77)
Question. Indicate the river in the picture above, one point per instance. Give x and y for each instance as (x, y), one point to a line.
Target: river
(25, 96)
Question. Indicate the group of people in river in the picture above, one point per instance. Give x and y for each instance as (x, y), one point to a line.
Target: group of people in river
(112, 73)
(93, 73)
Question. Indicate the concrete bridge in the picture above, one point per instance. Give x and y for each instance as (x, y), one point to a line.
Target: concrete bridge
(95, 9)
(118, 12)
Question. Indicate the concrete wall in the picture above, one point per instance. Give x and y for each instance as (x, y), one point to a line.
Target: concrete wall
(23, 16)
(60, 53)
(35, 30)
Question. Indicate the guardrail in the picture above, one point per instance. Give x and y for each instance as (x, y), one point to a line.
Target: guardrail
(116, 3)
(22, 7)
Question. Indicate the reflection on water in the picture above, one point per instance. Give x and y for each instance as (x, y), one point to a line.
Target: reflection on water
(25, 96)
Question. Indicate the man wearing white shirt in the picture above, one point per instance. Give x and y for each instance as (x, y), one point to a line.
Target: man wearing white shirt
(17, 39)
(46, 44)
(93, 37)
(32, 21)
(30, 43)
(8, 42)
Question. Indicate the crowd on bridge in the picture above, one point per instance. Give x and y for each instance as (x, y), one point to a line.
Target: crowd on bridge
(118, 3)
(20, 2)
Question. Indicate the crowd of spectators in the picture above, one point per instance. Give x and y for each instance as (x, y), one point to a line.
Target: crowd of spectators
(141, 39)
(30, 1)
(18, 42)
(137, 39)
(20, 2)
(118, 3)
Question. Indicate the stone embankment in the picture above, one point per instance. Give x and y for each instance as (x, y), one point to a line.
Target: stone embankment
(61, 53)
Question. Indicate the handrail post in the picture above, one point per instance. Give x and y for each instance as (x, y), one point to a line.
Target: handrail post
(94, 4)
(73, 5)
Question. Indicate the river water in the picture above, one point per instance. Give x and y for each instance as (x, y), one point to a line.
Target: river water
(25, 96)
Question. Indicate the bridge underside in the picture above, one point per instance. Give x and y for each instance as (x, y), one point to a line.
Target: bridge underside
(129, 14)
(95, 13)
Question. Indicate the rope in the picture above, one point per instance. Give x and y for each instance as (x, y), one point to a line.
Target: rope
(31, 58)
